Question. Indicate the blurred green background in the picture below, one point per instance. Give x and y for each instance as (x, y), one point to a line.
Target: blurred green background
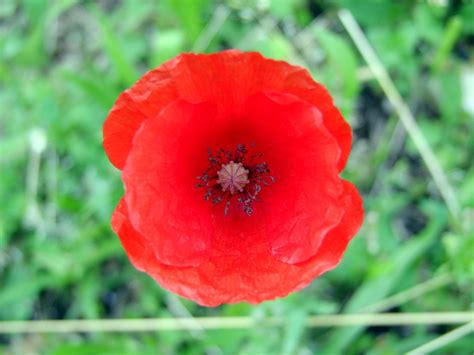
(63, 63)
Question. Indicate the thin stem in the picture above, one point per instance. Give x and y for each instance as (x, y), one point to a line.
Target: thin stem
(410, 294)
(443, 340)
(212, 28)
(178, 309)
(33, 215)
(406, 116)
(163, 324)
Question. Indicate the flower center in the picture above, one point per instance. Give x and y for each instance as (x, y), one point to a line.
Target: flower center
(233, 177)
(236, 177)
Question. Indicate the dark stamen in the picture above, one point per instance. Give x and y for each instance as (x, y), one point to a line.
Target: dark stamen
(235, 177)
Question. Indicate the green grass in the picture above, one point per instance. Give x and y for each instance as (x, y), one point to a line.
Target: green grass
(63, 64)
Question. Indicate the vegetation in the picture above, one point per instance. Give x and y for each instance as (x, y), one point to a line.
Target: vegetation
(63, 63)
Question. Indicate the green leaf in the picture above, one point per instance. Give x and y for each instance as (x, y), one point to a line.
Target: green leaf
(375, 289)
(20, 291)
(343, 62)
(450, 36)
(294, 329)
(96, 88)
(166, 45)
(190, 14)
(116, 52)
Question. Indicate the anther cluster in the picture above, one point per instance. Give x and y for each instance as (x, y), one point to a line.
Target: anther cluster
(235, 178)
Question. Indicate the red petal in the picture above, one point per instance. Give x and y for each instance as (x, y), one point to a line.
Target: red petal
(170, 151)
(160, 180)
(159, 131)
(301, 207)
(123, 121)
(255, 278)
(335, 243)
(133, 243)
(226, 78)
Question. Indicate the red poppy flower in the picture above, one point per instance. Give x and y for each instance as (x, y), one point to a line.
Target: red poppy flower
(231, 166)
